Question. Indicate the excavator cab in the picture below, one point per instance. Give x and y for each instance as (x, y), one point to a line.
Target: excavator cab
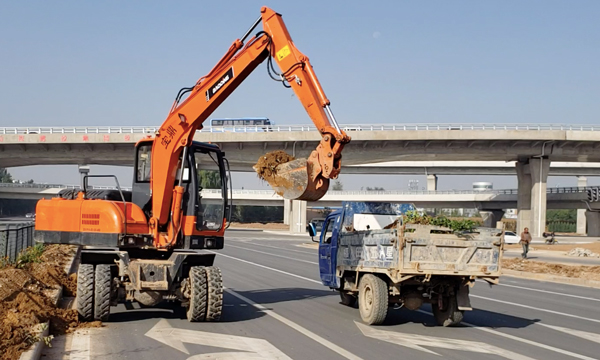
(206, 179)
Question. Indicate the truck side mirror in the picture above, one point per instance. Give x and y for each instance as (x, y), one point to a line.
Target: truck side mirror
(312, 231)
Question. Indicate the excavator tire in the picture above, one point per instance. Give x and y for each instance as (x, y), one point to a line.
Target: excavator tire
(372, 299)
(85, 292)
(215, 293)
(450, 315)
(102, 292)
(198, 299)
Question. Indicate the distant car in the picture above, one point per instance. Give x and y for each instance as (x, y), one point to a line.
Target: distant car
(511, 238)
(30, 215)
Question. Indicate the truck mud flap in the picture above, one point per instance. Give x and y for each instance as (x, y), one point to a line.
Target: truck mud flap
(462, 298)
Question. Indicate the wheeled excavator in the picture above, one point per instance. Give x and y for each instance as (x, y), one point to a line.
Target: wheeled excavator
(150, 244)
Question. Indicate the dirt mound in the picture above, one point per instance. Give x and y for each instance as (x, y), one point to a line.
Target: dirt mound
(266, 167)
(25, 300)
(580, 272)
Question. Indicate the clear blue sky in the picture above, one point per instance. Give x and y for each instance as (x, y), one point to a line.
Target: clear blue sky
(122, 63)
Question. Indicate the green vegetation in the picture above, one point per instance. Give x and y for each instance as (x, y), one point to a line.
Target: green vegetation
(5, 176)
(337, 186)
(209, 179)
(257, 214)
(462, 225)
(32, 254)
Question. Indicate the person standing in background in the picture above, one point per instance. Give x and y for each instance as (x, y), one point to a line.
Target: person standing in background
(525, 240)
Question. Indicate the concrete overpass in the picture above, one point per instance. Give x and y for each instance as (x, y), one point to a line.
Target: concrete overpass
(532, 148)
(491, 203)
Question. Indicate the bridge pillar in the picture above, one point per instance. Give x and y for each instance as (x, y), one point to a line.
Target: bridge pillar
(287, 209)
(531, 201)
(432, 182)
(593, 223)
(523, 197)
(298, 217)
(539, 175)
(491, 217)
(581, 218)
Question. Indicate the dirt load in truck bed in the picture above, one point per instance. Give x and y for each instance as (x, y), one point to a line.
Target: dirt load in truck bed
(25, 300)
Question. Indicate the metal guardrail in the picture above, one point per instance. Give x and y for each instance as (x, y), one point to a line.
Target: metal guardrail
(561, 190)
(289, 128)
(15, 238)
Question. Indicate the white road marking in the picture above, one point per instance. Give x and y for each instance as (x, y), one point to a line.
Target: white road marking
(536, 308)
(328, 344)
(270, 254)
(280, 248)
(254, 348)
(582, 334)
(80, 345)
(525, 341)
(415, 341)
(548, 292)
(269, 268)
(529, 342)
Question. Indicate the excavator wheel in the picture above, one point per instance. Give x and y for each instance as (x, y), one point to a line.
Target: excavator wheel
(215, 293)
(85, 292)
(102, 292)
(198, 294)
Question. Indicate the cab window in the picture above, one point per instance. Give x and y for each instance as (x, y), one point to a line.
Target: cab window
(327, 231)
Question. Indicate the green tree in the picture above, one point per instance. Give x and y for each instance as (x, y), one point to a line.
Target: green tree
(5, 176)
(338, 186)
(569, 215)
(209, 179)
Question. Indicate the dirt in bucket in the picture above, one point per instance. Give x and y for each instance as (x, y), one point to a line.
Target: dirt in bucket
(266, 167)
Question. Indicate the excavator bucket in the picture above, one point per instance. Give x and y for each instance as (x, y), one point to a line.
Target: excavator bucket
(294, 180)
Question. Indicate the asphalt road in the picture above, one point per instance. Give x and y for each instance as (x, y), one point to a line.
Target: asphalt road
(276, 308)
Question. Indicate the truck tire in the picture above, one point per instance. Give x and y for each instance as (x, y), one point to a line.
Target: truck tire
(372, 299)
(102, 292)
(85, 292)
(215, 293)
(450, 315)
(198, 299)
(347, 299)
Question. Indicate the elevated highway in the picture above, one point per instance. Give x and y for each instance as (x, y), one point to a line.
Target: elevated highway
(370, 143)
(531, 148)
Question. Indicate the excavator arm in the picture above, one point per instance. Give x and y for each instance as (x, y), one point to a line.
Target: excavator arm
(304, 179)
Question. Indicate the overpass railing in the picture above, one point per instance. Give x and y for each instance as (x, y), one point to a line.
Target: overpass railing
(15, 238)
(556, 190)
(289, 128)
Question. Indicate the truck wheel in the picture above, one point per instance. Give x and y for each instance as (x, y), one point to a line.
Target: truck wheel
(102, 292)
(372, 299)
(215, 293)
(347, 299)
(85, 292)
(198, 300)
(449, 315)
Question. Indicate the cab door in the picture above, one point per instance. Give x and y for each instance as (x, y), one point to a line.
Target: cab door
(327, 251)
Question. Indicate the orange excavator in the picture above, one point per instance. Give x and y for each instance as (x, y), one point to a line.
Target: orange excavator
(147, 245)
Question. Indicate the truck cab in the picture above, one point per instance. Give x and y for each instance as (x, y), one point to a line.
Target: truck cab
(328, 249)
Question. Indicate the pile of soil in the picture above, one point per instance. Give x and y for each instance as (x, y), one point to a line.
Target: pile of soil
(561, 248)
(572, 271)
(266, 167)
(25, 300)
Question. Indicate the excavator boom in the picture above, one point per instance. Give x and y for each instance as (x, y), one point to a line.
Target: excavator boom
(303, 179)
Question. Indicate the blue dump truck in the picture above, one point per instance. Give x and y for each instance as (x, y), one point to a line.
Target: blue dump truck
(369, 255)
